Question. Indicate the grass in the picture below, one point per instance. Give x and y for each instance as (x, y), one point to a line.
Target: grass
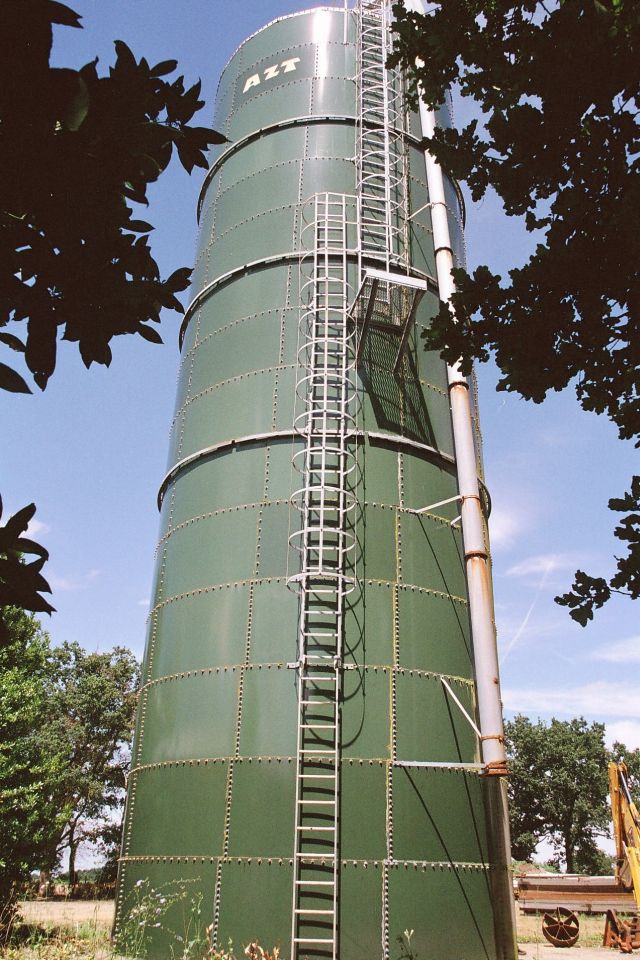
(80, 930)
(89, 939)
(79, 941)
(591, 929)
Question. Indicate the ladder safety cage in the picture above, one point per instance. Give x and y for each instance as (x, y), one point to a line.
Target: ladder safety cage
(381, 157)
(388, 298)
(367, 231)
(325, 544)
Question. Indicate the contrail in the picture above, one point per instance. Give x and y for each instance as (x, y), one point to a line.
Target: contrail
(543, 579)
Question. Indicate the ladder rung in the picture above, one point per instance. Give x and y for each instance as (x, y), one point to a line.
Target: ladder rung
(318, 726)
(318, 776)
(315, 883)
(310, 940)
(316, 829)
(316, 912)
(318, 802)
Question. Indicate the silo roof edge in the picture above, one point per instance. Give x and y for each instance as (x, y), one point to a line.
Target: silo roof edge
(286, 16)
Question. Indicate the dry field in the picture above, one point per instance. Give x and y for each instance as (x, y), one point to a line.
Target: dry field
(79, 930)
(62, 930)
(68, 913)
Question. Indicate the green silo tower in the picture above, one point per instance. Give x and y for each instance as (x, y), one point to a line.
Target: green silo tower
(318, 759)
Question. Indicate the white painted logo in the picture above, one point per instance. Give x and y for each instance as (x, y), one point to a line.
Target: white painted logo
(287, 66)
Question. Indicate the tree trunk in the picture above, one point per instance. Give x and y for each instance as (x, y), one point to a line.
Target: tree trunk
(72, 863)
(44, 883)
(568, 852)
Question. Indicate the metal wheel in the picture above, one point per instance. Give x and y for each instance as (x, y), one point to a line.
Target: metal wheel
(560, 927)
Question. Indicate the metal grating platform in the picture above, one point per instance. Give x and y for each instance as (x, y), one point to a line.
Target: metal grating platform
(387, 302)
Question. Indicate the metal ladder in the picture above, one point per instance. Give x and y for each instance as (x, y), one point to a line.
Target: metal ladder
(387, 298)
(324, 540)
(381, 161)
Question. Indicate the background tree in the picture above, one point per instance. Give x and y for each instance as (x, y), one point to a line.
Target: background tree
(30, 815)
(576, 808)
(559, 91)
(558, 790)
(79, 151)
(66, 719)
(524, 744)
(619, 752)
(88, 721)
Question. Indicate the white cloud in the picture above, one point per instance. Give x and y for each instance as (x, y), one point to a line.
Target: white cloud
(532, 627)
(143, 603)
(622, 651)
(544, 563)
(625, 731)
(70, 584)
(542, 567)
(546, 624)
(555, 436)
(597, 700)
(62, 583)
(504, 526)
(37, 526)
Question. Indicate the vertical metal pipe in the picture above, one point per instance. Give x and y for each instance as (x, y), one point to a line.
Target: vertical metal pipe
(476, 556)
(475, 547)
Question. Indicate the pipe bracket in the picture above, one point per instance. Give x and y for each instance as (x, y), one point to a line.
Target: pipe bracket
(496, 768)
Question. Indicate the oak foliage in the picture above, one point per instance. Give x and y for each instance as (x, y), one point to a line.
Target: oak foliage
(558, 90)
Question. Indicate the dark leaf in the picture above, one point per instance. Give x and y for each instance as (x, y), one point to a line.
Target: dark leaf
(139, 226)
(12, 381)
(36, 604)
(34, 578)
(12, 342)
(164, 67)
(62, 14)
(136, 193)
(126, 60)
(172, 303)
(37, 565)
(40, 353)
(16, 525)
(25, 545)
(77, 107)
(149, 334)
(588, 593)
(179, 279)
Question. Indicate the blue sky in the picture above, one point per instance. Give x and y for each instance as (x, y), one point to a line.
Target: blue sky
(91, 450)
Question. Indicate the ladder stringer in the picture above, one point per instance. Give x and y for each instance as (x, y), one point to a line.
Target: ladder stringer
(324, 541)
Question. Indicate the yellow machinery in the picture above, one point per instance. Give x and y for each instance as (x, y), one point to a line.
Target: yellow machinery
(559, 896)
(626, 830)
(624, 934)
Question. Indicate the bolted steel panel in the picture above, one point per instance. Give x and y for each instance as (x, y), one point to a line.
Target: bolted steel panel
(255, 897)
(456, 922)
(201, 786)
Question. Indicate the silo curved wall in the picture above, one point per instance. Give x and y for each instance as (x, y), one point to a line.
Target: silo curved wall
(211, 794)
